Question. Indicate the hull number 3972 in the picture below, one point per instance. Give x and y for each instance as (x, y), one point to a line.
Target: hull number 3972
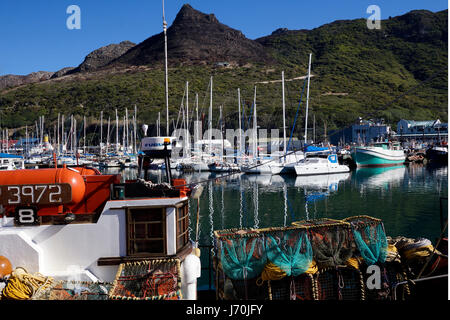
(35, 194)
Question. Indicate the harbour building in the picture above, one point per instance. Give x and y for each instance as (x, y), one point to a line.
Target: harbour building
(423, 131)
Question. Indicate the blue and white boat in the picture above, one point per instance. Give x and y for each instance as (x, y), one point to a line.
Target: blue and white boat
(380, 154)
(11, 162)
(320, 165)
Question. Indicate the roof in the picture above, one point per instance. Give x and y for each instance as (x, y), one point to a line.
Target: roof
(426, 123)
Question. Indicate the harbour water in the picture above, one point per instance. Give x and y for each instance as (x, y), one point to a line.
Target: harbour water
(407, 198)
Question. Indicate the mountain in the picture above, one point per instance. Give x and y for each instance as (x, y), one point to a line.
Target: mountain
(93, 61)
(399, 71)
(12, 80)
(196, 38)
(103, 56)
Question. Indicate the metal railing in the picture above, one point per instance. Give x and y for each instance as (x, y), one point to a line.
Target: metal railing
(394, 287)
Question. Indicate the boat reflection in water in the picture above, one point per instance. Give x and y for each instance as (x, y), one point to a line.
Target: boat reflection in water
(319, 187)
(382, 177)
(327, 182)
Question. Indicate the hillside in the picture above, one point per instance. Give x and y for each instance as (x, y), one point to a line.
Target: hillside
(357, 72)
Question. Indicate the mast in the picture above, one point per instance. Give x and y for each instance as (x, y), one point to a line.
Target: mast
(107, 135)
(166, 74)
(188, 145)
(117, 132)
(240, 124)
(255, 128)
(210, 117)
(284, 115)
(307, 98)
(101, 133)
(135, 131)
(221, 132)
(84, 133)
(63, 142)
(126, 130)
(196, 127)
(57, 141)
(75, 138)
(158, 130)
(26, 140)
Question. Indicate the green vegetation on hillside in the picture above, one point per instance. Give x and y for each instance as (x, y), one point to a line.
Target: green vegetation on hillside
(357, 73)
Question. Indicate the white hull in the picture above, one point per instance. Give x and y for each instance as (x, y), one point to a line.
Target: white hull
(317, 166)
(70, 252)
(390, 155)
(257, 169)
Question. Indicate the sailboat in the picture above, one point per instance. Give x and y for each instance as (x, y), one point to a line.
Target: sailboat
(279, 162)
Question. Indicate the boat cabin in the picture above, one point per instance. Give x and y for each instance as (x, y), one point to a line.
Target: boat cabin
(54, 219)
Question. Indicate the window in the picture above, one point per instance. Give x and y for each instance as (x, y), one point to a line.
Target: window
(182, 226)
(146, 231)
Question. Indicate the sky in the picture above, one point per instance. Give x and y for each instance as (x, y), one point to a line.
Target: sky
(34, 35)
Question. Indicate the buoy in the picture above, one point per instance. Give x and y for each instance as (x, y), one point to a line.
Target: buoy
(5, 267)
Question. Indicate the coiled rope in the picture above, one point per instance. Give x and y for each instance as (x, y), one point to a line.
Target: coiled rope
(24, 286)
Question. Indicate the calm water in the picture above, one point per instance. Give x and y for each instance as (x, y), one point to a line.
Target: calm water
(406, 198)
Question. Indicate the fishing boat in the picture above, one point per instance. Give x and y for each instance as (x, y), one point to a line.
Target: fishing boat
(74, 229)
(437, 154)
(380, 154)
(314, 165)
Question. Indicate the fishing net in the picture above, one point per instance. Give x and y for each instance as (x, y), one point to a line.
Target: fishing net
(148, 280)
(242, 256)
(330, 241)
(76, 290)
(293, 288)
(341, 283)
(370, 238)
(289, 252)
(233, 289)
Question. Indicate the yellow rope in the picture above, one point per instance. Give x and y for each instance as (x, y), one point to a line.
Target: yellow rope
(23, 285)
(353, 262)
(272, 272)
(416, 253)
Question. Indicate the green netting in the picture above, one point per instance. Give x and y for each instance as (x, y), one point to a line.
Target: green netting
(372, 243)
(242, 258)
(290, 251)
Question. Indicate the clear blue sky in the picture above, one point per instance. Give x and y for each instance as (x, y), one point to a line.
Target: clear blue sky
(34, 36)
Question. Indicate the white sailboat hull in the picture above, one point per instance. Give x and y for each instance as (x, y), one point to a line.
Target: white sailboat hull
(316, 166)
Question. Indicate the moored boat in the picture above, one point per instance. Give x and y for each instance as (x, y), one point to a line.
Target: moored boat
(438, 154)
(130, 238)
(319, 165)
(378, 155)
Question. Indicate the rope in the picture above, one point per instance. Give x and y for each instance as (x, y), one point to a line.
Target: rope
(24, 286)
